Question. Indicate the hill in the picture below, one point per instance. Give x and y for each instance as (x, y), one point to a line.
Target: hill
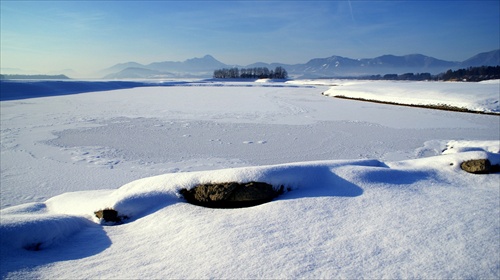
(333, 66)
(491, 58)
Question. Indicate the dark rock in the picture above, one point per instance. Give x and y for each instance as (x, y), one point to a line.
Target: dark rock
(108, 215)
(476, 166)
(231, 194)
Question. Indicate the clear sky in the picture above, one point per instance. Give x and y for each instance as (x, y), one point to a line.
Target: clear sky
(87, 36)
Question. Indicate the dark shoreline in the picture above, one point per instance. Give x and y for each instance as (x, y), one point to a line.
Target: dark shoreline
(442, 107)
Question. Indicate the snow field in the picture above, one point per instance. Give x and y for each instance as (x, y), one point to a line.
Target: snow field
(103, 140)
(373, 191)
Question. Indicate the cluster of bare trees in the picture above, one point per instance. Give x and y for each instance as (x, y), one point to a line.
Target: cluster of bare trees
(251, 73)
(472, 74)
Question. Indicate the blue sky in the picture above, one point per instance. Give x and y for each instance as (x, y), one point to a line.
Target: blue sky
(87, 36)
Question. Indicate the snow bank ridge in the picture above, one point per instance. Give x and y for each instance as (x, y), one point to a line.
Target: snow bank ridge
(36, 226)
(33, 227)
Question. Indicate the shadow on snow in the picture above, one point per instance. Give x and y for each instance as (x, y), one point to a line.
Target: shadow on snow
(87, 242)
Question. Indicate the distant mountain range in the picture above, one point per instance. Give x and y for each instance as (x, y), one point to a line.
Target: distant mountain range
(195, 67)
(334, 66)
(17, 71)
(32, 77)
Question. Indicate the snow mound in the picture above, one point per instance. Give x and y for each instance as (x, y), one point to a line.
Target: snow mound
(426, 215)
(147, 195)
(33, 227)
(480, 97)
(36, 226)
(465, 146)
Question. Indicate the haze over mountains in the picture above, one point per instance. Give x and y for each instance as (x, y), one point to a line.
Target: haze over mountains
(334, 66)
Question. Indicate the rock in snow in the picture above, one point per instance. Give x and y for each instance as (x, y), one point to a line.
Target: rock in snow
(476, 166)
(109, 216)
(231, 195)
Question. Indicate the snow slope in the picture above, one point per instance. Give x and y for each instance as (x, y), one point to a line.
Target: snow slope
(481, 96)
(373, 190)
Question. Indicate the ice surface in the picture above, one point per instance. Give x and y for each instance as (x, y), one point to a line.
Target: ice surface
(102, 140)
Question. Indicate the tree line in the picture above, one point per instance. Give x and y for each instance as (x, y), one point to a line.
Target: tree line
(471, 74)
(251, 73)
(402, 77)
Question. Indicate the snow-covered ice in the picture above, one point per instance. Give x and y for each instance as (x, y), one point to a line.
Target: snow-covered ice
(373, 190)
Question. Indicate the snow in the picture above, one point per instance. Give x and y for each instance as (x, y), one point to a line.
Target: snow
(372, 190)
(486, 94)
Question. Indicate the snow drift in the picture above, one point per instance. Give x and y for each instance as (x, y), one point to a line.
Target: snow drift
(396, 209)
